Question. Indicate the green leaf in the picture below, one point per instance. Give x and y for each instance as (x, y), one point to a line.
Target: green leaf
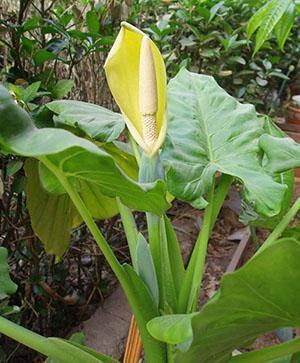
(74, 159)
(293, 232)
(92, 22)
(52, 213)
(172, 329)
(95, 121)
(52, 216)
(7, 287)
(284, 26)
(257, 19)
(17, 90)
(287, 352)
(237, 59)
(145, 267)
(103, 358)
(13, 167)
(41, 56)
(78, 338)
(282, 360)
(31, 92)
(59, 350)
(99, 205)
(62, 88)
(213, 11)
(295, 358)
(5, 309)
(283, 153)
(75, 352)
(123, 157)
(271, 18)
(249, 216)
(251, 301)
(175, 257)
(168, 289)
(210, 132)
(31, 23)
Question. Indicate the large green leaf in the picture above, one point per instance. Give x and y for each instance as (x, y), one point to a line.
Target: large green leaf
(209, 132)
(249, 216)
(251, 301)
(283, 153)
(52, 215)
(95, 121)
(74, 159)
(6, 285)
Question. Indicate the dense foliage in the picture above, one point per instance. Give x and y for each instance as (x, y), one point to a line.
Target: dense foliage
(48, 43)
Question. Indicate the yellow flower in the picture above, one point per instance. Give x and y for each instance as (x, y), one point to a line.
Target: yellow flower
(136, 76)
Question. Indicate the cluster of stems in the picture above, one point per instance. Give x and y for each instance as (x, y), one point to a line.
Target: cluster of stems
(193, 274)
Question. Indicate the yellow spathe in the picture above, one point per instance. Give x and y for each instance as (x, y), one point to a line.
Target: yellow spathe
(122, 68)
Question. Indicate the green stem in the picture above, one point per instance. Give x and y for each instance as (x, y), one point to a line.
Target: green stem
(254, 238)
(220, 196)
(130, 229)
(268, 354)
(152, 347)
(153, 224)
(170, 353)
(195, 268)
(282, 225)
(189, 293)
(26, 337)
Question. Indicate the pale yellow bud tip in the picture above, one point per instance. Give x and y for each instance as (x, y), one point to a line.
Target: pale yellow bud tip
(148, 92)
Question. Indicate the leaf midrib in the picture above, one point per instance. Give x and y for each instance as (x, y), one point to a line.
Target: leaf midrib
(199, 109)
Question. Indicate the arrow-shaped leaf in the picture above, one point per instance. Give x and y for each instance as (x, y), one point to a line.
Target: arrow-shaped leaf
(209, 132)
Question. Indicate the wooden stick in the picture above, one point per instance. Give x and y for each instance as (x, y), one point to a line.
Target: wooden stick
(237, 256)
(134, 344)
